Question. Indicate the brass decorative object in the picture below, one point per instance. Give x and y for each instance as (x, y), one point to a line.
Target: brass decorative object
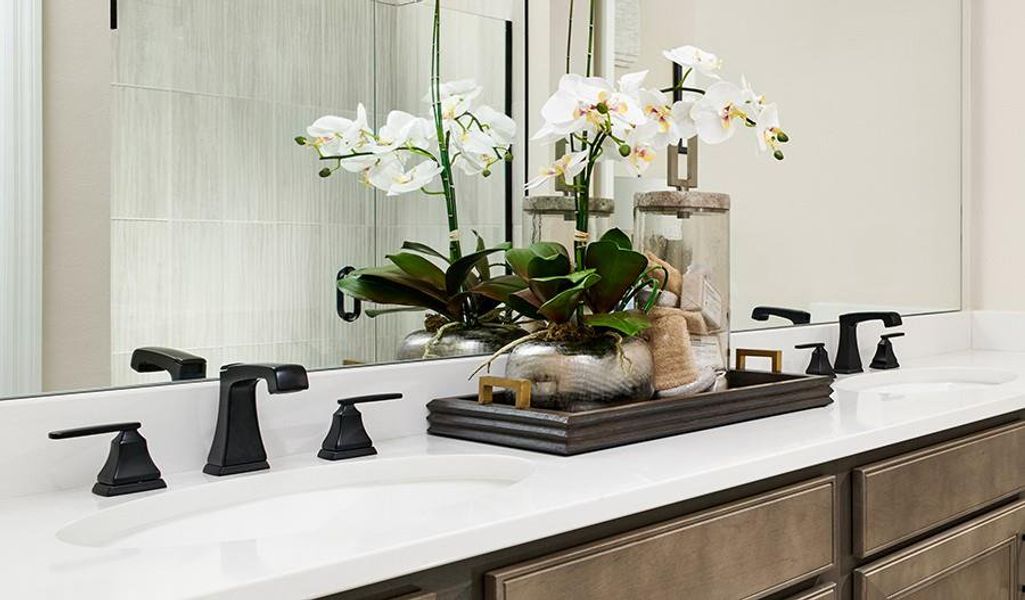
(520, 388)
(775, 355)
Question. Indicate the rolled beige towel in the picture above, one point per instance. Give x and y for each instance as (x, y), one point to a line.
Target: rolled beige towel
(675, 279)
(669, 339)
(696, 324)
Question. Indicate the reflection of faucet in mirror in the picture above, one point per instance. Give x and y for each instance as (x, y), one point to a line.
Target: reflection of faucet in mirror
(238, 445)
(181, 365)
(848, 357)
(795, 316)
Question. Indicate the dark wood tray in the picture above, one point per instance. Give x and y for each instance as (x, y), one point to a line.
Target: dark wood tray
(751, 395)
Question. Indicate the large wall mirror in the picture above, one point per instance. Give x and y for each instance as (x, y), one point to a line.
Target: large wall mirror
(194, 221)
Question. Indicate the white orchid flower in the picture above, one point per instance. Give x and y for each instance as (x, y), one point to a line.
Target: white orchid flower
(641, 144)
(689, 57)
(769, 133)
(456, 98)
(754, 102)
(716, 114)
(400, 129)
(568, 167)
(337, 136)
(587, 104)
(476, 151)
(389, 175)
(499, 126)
(672, 119)
(631, 82)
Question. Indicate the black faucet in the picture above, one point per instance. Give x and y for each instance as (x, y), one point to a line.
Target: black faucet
(797, 317)
(848, 357)
(238, 445)
(179, 364)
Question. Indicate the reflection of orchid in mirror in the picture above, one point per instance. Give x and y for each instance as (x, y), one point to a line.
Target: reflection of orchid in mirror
(477, 137)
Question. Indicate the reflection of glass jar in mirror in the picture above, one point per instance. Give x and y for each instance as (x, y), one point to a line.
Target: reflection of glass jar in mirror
(552, 218)
(689, 234)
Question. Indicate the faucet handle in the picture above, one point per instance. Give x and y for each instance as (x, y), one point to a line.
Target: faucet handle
(129, 468)
(819, 364)
(885, 358)
(368, 398)
(347, 437)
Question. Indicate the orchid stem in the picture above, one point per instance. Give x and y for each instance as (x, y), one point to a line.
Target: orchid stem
(454, 249)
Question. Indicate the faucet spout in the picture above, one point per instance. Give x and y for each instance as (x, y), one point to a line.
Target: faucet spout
(238, 445)
(848, 356)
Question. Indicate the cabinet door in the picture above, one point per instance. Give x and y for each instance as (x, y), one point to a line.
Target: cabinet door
(908, 495)
(745, 550)
(978, 560)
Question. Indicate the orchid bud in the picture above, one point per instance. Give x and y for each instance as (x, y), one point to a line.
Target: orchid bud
(508, 156)
(486, 172)
(602, 108)
(778, 154)
(325, 172)
(782, 137)
(625, 150)
(300, 140)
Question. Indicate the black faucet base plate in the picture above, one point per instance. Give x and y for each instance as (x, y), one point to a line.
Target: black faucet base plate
(218, 470)
(340, 454)
(102, 489)
(849, 371)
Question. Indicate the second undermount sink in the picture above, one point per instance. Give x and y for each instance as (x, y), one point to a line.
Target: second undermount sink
(906, 382)
(351, 499)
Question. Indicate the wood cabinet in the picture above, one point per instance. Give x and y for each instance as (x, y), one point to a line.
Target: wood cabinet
(826, 592)
(780, 539)
(899, 498)
(980, 560)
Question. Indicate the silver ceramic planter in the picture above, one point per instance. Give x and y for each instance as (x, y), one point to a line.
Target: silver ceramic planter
(458, 341)
(574, 376)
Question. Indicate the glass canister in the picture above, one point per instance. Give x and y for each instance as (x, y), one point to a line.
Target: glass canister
(688, 233)
(552, 218)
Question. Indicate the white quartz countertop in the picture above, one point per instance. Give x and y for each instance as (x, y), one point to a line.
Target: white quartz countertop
(558, 495)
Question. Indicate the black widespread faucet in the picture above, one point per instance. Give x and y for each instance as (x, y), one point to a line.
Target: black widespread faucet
(797, 317)
(848, 357)
(238, 445)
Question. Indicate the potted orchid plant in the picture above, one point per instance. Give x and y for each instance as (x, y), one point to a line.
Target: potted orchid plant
(408, 154)
(588, 352)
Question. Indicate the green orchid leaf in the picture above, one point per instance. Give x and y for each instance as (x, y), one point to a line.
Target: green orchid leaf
(561, 308)
(390, 285)
(547, 288)
(629, 323)
(618, 268)
(377, 312)
(419, 267)
(456, 275)
(620, 239)
(424, 249)
(482, 267)
(525, 303)
(520, 258)
(500, 288)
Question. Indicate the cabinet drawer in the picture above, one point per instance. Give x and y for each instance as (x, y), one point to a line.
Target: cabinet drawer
(905, 496)
(978, 560)
(743, 550)
(826, 592)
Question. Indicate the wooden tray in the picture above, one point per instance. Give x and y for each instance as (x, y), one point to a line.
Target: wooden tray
(751, 395)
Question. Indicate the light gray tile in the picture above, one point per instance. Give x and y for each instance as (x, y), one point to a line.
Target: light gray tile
(140, 290)
(252, 163)
(349, 59)
(142, 156)
(198, 151)
(171, 44)
(250, 280)
(197, 280)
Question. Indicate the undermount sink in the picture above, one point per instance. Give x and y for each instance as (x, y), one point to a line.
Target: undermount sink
(906, 382)
(353, 499)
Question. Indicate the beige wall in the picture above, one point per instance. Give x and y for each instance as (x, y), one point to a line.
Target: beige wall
(998, 156)
(76, 188)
